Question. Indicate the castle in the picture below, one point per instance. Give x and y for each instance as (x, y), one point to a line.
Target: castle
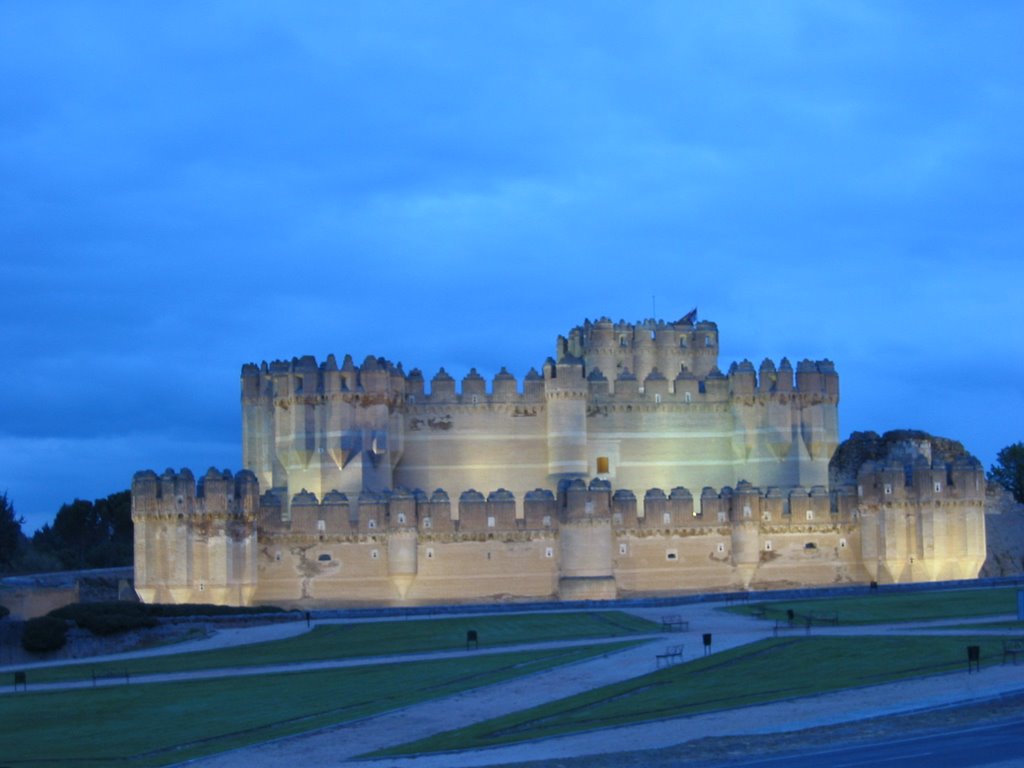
(361, 487)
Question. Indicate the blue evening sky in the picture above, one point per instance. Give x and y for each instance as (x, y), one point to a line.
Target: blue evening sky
(188, 186)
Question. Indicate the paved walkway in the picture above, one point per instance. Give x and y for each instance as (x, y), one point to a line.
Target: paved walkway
(339, 746)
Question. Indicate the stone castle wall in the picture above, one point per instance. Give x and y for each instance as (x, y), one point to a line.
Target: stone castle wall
(220, 541)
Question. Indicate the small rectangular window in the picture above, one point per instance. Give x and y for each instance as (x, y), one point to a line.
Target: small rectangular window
(549, 552)
(671, 554)
(602, 465)
(810, 514)
(490, 521)
(623, 549)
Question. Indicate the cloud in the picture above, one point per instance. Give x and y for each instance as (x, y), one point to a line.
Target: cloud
(190, 187)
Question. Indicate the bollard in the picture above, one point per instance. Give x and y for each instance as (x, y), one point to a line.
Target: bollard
(973, 657)
(707, 643)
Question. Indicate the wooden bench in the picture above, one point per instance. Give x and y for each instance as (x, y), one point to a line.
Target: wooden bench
(674, 624)
(673, 654)
(796, 623)
(1011, 648)
(824, 618)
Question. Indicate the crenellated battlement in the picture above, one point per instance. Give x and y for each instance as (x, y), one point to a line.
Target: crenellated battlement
(921, 481)
(216, 495)
(179, 496)
(306, 381)
(647, 361)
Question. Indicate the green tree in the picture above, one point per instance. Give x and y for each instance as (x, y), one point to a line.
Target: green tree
(10, 534)
(87, 534)
(1008, 470)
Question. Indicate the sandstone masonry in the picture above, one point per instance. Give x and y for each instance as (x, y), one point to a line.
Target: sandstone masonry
(335, 504)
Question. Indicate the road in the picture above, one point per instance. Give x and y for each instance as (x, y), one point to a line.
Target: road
(992, 745)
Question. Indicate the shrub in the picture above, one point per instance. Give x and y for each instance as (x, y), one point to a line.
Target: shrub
(112, 617)
(107, 618)
(44, 634)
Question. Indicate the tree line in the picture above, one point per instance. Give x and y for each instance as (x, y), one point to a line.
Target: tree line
(84, 534)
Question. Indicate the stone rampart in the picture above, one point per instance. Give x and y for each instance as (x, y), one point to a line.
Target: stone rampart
(218, 539)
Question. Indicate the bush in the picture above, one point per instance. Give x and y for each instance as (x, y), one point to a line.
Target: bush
(113, 617)
(44, 634)
(107, 618)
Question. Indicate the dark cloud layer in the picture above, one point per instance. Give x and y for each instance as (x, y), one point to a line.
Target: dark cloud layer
(187, 187)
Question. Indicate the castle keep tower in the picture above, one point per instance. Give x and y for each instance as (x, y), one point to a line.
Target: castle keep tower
(639, 405)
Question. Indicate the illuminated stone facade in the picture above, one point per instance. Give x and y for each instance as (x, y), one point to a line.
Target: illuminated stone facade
(348, 459)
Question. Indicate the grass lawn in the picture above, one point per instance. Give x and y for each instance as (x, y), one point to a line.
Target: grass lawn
(881, 608)
(378, 638)
(162, 723)
(769, 670)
